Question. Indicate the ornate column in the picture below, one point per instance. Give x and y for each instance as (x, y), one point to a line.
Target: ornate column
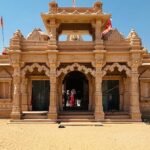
(98, 31)
(98, 34)
(52, 43)
(134, 95)
(16, 107)
(126, 94)
(134, 63)
(24, 95)
(52, 55)
(99, 114)
(15, 59)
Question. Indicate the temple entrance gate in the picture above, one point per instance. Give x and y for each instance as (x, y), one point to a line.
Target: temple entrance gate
(76, 81)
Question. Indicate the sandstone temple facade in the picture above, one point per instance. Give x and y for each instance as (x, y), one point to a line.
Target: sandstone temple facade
(111, 72)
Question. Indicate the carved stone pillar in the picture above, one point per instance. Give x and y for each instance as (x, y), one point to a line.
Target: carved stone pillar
(24, 95)
(16, 107)
(52, 44)
(53, 86)
(98, 36)
(99, 114)
(126, 94)
(136, 60)
(134, 97)
(99, 63)
(98, 30)
(52, 56)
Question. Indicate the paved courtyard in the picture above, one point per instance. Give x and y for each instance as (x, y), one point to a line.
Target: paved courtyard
(46, 136)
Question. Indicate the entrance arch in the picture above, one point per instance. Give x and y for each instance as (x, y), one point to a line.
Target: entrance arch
(35, 87)
(78, 82)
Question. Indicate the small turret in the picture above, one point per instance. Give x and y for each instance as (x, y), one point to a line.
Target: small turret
(53, 6)
(15, 42)
(134, 40)
(98, 6)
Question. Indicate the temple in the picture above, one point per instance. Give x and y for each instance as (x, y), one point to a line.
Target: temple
(109, 74)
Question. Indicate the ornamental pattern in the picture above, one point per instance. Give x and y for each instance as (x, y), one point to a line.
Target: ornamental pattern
(120, 69)
(33, 66)
(74, 67)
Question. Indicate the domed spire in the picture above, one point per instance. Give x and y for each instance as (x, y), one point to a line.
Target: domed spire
(15, 42)
(98, 6)
(135, 40)
(18, 35)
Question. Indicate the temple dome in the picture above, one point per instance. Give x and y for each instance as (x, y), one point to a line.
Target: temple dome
(38, 35)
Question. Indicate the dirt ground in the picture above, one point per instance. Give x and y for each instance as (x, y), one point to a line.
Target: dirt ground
(47, 136)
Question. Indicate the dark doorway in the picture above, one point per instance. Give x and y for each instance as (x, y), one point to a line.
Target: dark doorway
(111, 97)
(76, 81)
(40, 95)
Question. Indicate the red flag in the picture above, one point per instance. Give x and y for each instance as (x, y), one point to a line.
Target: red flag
(1, 22)
(108, 27)
(74, 3)
(4, 52)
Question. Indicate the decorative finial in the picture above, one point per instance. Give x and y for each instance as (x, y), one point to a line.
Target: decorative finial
(18, 35)
(134, 40)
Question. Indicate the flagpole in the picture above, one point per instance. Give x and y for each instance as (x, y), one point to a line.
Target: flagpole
(3, 36)
(73, 3)
(2, 26)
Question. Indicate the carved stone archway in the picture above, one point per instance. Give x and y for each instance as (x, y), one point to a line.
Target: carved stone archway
(89, 74)
(24, 83)
(76, 67)
(31, 68)
(119, 67)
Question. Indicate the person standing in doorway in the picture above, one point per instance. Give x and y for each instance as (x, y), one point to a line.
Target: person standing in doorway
(64, 99)
(72, 98)
(67, 98)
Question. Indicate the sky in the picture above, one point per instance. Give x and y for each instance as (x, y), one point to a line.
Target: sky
(25, 15)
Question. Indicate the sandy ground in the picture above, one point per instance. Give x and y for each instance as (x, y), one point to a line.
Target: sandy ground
(49, 137)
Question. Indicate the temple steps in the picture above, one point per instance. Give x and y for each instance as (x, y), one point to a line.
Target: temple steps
(34, 115)
(117, 115)
(76, 116)
(120, 121)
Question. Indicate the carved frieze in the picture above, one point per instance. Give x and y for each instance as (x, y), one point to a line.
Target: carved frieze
(77, 67)
(33, 66)
(118, 66)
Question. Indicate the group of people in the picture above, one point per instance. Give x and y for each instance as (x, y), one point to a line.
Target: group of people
(72, 98)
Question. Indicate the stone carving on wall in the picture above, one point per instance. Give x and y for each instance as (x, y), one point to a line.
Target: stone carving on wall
(77, 67)
(116, 65)
(33, 66)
